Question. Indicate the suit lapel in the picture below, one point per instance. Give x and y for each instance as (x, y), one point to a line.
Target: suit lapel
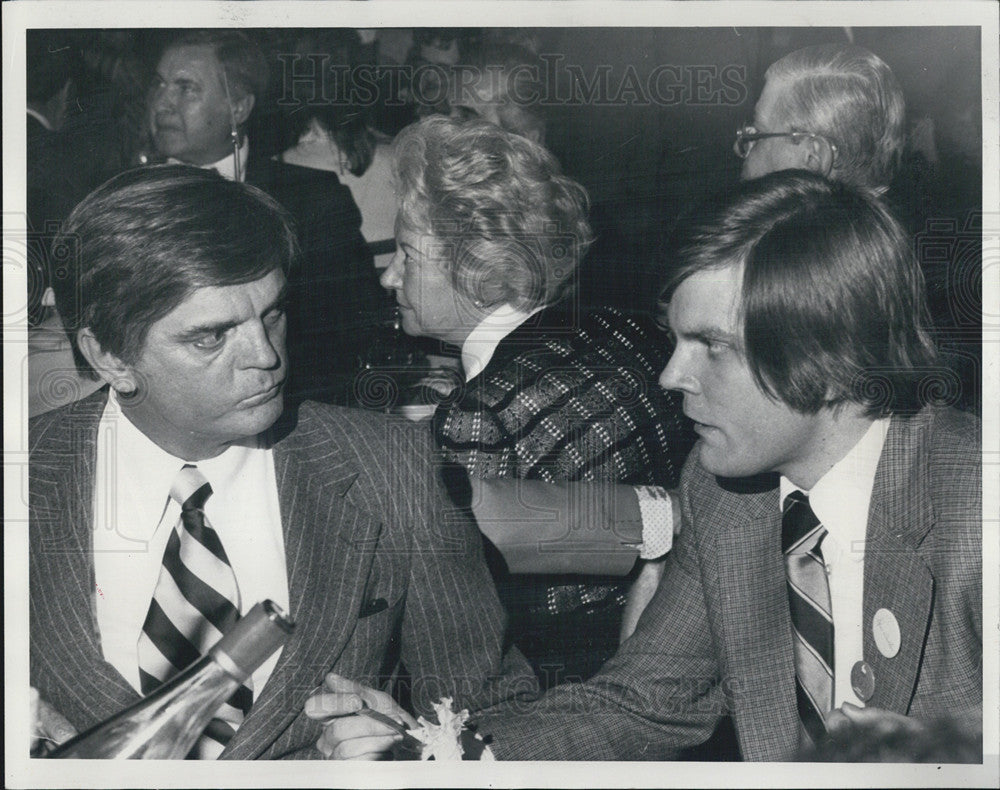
(895, 576)
(761, 664)
(329, 547)
(751, 578)
(64, 626)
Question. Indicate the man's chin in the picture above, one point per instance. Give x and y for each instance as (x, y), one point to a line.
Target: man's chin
(169, 144)
(716, 462)
(708, 463)
(259, 417)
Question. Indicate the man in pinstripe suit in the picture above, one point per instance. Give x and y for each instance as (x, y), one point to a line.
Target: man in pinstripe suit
(336, 515)
(797, 309)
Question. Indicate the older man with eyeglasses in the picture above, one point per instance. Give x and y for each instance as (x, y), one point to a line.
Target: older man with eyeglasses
(834, 109)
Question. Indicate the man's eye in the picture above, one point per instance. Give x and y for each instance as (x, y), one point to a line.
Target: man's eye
(716, 348)
(275, 316)
(210, 341)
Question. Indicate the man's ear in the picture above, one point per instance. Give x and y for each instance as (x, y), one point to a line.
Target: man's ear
(242, 108)
(107, 365)
(819, 156)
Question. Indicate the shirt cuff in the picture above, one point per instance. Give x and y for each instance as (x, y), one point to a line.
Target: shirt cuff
(657, 521)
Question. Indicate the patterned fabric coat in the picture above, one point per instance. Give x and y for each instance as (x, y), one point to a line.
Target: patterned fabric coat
(566, 399)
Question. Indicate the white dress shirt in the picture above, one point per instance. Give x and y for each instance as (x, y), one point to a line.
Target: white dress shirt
(840, 500)
(226, 167)
(482, 342)
(134, 516)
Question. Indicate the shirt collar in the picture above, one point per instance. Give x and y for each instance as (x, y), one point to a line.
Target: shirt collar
(134, 457)
(482, 342)
(153, 469)
(841, 498)
(225, 167)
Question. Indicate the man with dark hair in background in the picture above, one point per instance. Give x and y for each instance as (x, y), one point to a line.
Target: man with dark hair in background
(338, 516)
(828, 575)
(206, 86)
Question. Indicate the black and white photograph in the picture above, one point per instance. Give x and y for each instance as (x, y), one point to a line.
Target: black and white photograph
(552, 393)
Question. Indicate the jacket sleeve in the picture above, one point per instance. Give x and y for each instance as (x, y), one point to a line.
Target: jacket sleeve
(660, 694)
(453, 624)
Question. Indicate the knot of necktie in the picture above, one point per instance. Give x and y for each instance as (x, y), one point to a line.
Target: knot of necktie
(190, 488)
(801, 530)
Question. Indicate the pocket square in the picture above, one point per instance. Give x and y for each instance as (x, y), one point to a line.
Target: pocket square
(373, 606)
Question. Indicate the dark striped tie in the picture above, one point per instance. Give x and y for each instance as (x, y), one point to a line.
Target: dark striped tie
(812, 620)
(195, 602)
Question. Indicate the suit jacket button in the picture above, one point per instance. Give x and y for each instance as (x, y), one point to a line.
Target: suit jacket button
(863, 680)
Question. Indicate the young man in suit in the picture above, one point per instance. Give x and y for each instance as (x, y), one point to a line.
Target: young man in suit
(834, 109)
(828, 577)
(336, 515)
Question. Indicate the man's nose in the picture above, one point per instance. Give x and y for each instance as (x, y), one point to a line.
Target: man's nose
(161, 99)
(264, 348)
(678, 375)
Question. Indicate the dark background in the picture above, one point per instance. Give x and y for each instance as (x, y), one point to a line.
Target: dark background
(644, 160)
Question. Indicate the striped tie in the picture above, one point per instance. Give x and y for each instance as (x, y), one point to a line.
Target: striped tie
(195, 602)
(812, 621)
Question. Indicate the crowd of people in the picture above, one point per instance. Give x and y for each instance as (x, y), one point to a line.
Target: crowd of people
(739, 518)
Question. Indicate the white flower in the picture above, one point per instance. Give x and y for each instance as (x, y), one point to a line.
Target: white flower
(442, 741)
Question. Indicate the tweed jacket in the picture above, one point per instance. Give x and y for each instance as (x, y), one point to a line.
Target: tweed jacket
(380, 571)
(569, 398)
(716, 638)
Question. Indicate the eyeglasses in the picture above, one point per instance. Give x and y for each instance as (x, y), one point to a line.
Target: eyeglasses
(748, 135)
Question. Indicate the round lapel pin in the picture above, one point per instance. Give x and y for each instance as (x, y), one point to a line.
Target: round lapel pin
(885, 629)
(863, 680)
